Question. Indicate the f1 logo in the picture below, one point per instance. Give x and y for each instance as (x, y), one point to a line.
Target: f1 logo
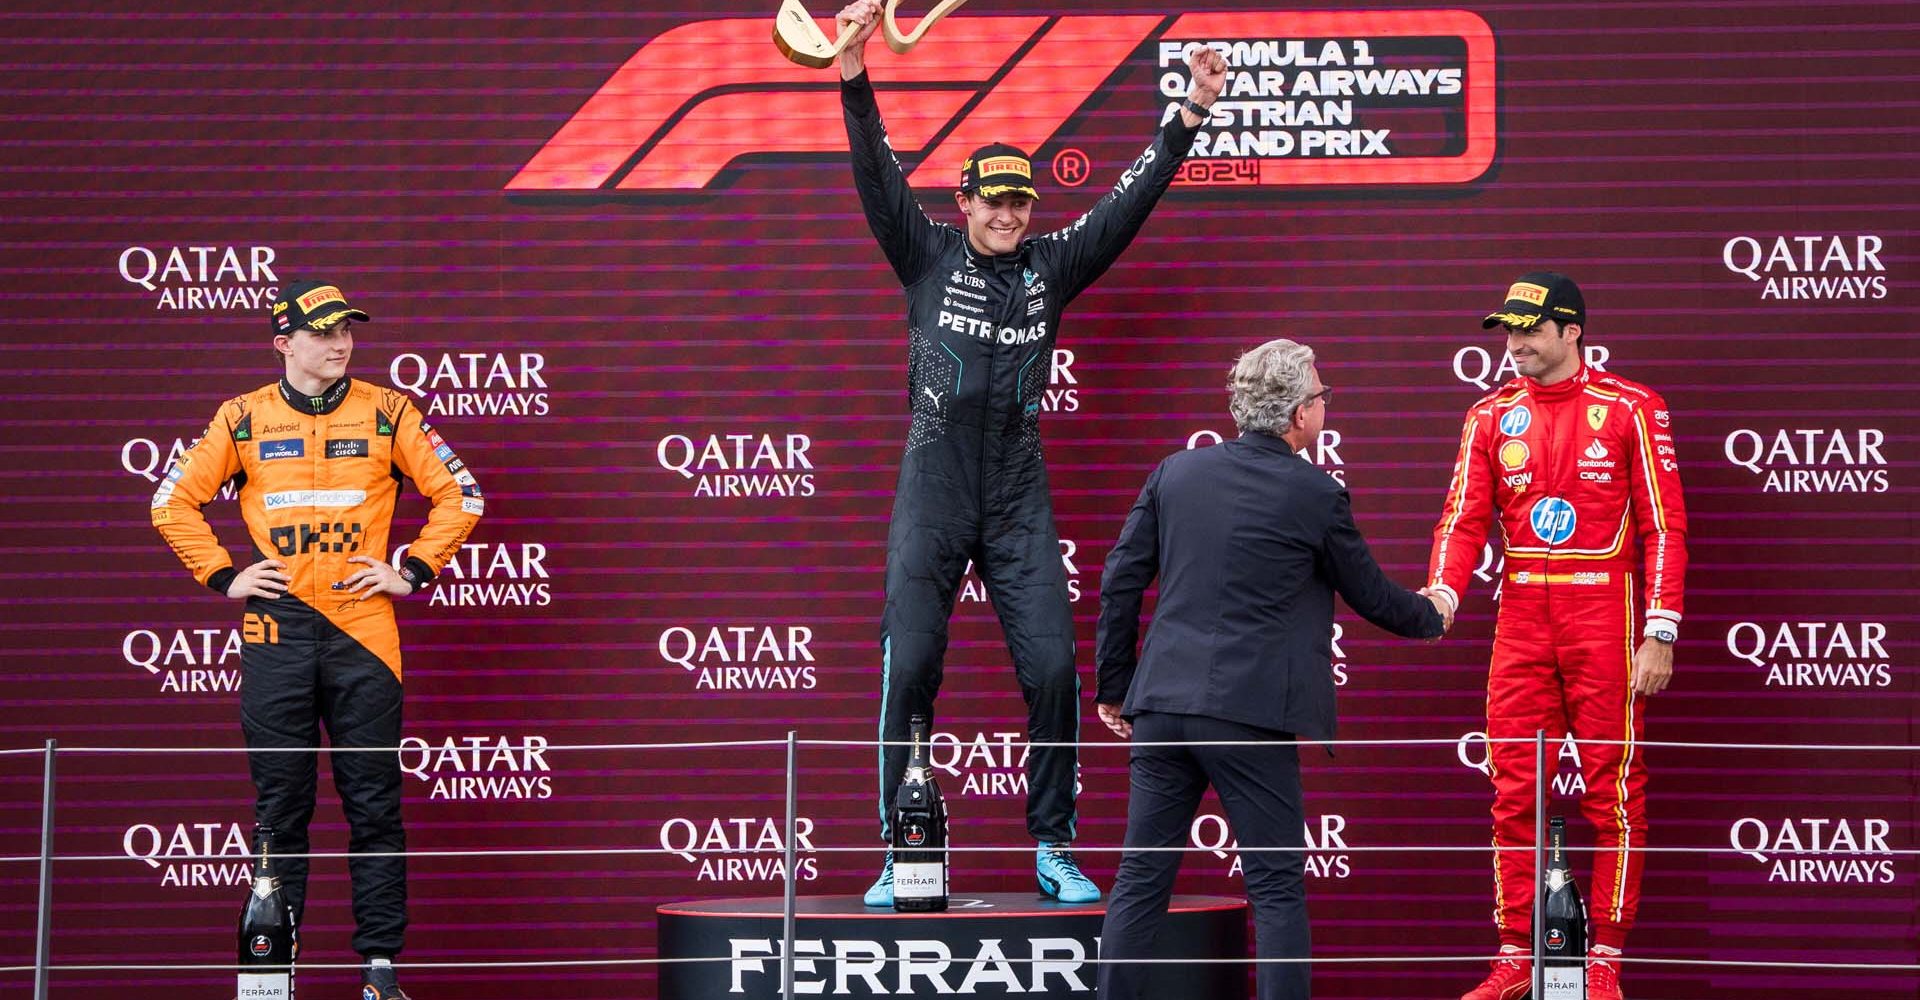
(653, 126)
(648, 129)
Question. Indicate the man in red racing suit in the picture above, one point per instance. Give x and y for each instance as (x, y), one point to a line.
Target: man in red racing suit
(1578, 465)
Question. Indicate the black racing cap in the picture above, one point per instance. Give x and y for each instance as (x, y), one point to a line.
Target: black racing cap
(996, 169)
(1539, 295)
(313, 304)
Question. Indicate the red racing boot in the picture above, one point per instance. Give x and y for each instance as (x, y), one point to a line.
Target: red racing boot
(1603, 974)
(1512, 977)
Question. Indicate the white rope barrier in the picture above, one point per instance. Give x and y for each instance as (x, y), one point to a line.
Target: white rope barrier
(545, 852)
(1036, 744)
(431, 748)
(157, 860)
(957, 960)
(557, 963)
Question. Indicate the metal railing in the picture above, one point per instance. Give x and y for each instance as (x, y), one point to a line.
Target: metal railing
(792, 745)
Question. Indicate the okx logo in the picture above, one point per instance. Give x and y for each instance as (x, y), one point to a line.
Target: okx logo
(1316, 99)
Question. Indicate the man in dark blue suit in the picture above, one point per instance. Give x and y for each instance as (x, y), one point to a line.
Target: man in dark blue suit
(1249, 543)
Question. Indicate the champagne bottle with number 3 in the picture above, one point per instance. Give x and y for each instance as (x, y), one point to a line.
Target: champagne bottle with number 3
(1564, 953)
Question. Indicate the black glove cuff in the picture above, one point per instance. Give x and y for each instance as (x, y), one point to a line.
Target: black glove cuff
(417, 573)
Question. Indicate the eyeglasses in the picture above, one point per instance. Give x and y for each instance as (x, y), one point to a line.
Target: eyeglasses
(1325, 395)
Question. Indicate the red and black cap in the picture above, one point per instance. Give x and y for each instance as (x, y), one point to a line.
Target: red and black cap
(315, 305)
(1539, 295)
(997, 169)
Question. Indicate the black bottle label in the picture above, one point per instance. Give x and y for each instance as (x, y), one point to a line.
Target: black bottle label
(267, 939)
(1564, 924)
(919, 834)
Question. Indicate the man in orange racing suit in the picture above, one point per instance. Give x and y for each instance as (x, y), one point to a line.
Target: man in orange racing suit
(1577, 466)
(318, 459)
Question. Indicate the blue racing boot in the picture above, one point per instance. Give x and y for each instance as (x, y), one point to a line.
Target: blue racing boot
(880, 893)
(1060, 876)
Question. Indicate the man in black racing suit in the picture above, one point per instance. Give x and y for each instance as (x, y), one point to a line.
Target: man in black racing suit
(983, 309)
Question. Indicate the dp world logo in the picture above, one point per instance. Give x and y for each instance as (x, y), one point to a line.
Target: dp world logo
(1516, 421)
(1552, 520)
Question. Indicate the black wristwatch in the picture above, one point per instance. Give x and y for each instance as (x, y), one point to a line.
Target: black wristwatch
(1189, 104)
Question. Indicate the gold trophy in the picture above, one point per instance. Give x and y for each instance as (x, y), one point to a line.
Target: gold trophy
(798, 36)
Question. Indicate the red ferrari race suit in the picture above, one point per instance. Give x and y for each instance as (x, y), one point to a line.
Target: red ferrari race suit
(1577, 472)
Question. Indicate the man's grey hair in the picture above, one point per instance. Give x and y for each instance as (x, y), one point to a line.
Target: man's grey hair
(1268, 384)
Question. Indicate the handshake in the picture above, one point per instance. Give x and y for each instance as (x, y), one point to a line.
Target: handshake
(1441, 603)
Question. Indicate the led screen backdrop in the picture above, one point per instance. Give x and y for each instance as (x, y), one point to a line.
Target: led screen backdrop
(612, 251)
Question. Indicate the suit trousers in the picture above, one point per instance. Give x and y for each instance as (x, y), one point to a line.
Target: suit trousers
(1259, 787)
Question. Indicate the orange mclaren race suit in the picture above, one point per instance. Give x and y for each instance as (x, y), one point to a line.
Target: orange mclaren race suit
(317, 478)
(1575, 473)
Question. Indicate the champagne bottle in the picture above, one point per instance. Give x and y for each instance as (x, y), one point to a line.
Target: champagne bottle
(267, 937)
(1564, 953)
(919, 833)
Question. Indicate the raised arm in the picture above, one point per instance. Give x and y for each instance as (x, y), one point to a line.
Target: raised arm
(1080, 253)
(910, 240)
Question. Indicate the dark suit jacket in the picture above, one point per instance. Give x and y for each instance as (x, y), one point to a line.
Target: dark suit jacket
(1249, 542)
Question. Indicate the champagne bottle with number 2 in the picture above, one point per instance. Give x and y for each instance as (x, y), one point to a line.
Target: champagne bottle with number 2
(267, 937)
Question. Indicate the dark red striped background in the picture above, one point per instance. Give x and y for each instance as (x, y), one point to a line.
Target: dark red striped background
(374, 147)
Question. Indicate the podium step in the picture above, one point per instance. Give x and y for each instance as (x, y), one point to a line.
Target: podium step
(994, 944)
